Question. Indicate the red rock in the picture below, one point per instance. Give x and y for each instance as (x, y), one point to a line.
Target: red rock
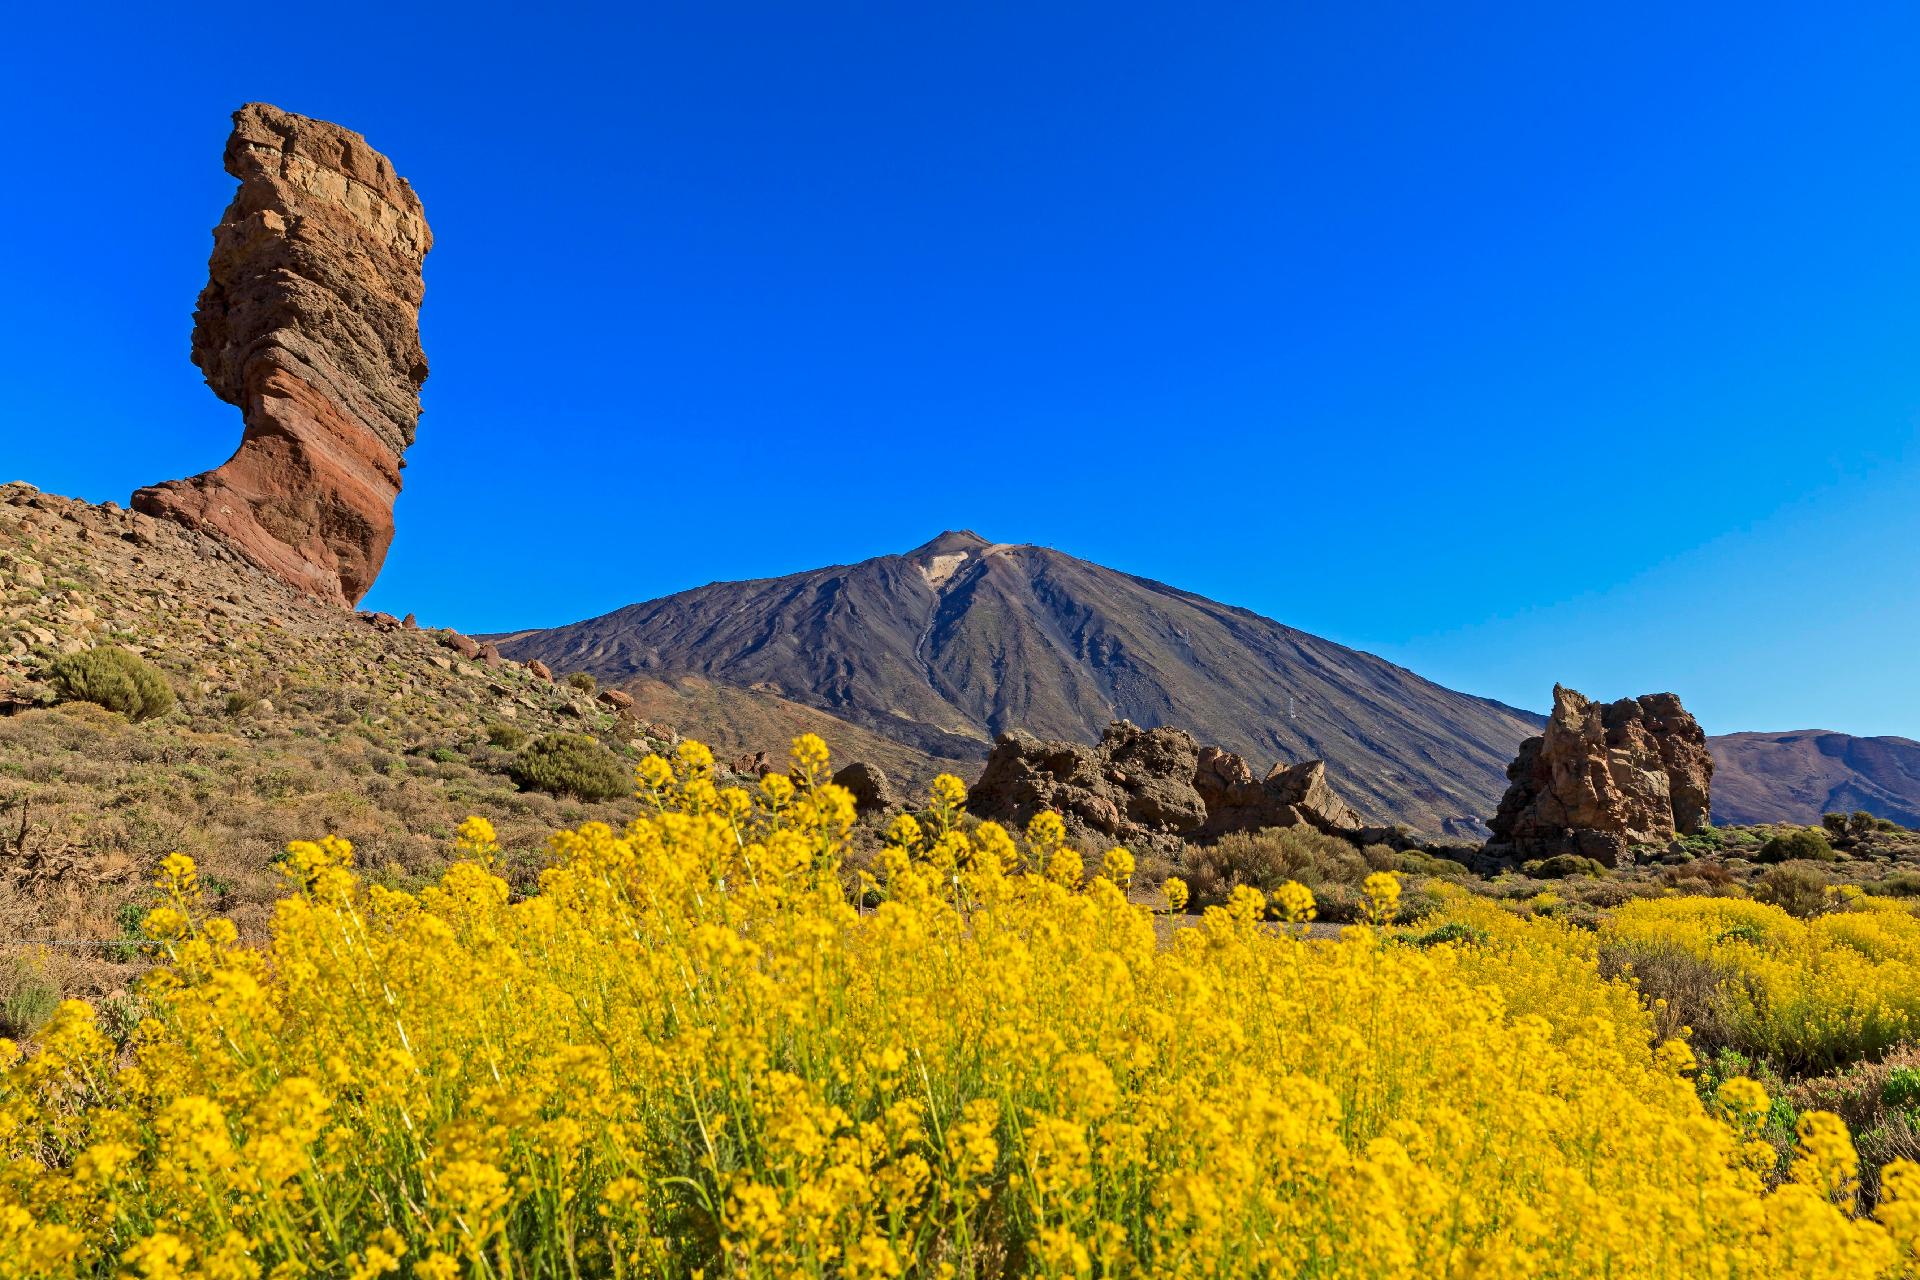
(540, 671)
(617, 700)
(310, 324)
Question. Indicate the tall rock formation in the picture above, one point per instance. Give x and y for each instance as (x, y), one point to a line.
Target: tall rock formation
(310, 324)
(1604, 778)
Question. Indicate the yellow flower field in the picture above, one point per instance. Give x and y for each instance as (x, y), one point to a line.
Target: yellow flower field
(697, 1053)
(1816, 992)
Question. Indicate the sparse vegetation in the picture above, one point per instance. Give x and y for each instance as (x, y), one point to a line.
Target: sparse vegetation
(583, 682)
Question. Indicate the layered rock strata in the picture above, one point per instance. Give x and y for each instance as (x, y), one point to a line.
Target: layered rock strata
(310, 324)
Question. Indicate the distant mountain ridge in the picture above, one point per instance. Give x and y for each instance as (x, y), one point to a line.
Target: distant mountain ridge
(1796, 777)
(945, 646)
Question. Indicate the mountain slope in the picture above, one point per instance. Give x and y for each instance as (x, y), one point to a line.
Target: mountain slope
(1796, 777)
(945, 646)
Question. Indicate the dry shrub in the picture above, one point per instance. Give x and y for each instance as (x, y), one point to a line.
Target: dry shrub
(1268, 859)
(1795, 887)
(1880, 1101)
(1693, 988)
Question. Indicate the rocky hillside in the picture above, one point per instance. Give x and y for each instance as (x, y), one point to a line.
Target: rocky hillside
(949, 644)
(293, 719)
(1796, 777)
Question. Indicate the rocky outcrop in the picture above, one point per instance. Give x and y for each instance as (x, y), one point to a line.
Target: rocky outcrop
(1603, 779)
(310, 324)
(1152, 788)
(868, 784)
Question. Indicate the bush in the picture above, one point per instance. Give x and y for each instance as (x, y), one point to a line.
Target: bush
(1806, 993)
(1453, 931)
(571, 764)
(1562, 865)
(27, 999)
(1795, 888)
(1901, 884)
(1268, 859)
(109, 676)
(1849, 826)
(1418, 863)
(583, 682)
(1802, 844)
(506, 736)
(1901, 1087)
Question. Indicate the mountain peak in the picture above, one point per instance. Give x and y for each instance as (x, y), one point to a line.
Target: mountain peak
(961, 540)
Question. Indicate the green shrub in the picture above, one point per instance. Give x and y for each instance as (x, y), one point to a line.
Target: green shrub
(109, 676)
(1562, 865)
(1849, 825)
(506, 736)
(1457, 931)
(27, 999)
(1901, 1088)
(1901, 884)
(583, 682)
(1802, 844)
(1418, 863)
(571, 764)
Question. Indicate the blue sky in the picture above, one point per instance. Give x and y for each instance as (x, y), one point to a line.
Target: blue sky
(1515, 343)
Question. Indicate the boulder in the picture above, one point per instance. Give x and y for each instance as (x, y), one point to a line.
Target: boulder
(540, 671)
(868, 783)
(465, 646)
(310, 325)
(1303, 788)
(754, 764)
(1603, 779)
(617, 700)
